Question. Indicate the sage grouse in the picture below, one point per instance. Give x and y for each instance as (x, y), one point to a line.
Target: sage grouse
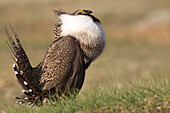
(79, 40)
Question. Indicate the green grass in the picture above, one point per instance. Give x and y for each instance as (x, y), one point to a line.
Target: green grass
(128, 55)
(129, 60)
(136, 97)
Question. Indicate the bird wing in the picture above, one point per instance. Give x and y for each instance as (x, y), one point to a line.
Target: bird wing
(62, 64)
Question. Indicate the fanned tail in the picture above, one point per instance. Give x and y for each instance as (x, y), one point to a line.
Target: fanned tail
(22, 67)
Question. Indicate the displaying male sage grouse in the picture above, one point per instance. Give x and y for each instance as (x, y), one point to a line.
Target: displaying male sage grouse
(79, 40)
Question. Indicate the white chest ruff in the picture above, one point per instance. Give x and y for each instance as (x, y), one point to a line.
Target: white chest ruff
(90, 34)
(82, 28)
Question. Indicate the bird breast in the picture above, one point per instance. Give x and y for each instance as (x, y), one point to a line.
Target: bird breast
(90, 34)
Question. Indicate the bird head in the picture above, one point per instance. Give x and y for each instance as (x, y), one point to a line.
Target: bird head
(82, 12)
(77, 13)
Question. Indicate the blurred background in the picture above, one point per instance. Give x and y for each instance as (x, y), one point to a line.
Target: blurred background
(137, 39)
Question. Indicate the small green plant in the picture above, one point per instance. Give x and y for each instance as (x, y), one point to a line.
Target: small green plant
(136, 97)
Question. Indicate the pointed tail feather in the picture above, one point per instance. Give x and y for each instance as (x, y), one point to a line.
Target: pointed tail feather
(22, 68)
(19, 55)
(20, 78)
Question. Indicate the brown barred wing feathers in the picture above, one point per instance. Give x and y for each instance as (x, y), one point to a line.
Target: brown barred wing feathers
(62, 64)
